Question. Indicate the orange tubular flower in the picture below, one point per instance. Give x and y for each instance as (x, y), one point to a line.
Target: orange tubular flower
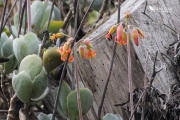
(82, 52)
(111, 31)
(108, 36)
(90, 54)
(64, 51)
(59, 35)
(88, 44)
(123, 40)
(119, 33)
(135, 36)
(53, 37)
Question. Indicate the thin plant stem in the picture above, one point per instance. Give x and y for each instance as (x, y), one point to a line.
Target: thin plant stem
(3, 15)
(130, 72)
(139, 101)
(21, 18)
(110, 70)
(78, 94)
(47, 27)
(65, 64)
(7, 18)
(29, 14)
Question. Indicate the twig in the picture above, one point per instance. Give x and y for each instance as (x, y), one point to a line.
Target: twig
(67, 20)
(47, 27)
(3, 15)
(78, 95)
(137, 104)
(101, 11)
(29, 15)
(21, 18)
(65, 64)
(154, 71)
(110, 70)
(7, 18)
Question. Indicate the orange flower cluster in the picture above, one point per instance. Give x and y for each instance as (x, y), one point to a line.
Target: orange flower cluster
(65, 50)
(121, 35)
(86, 51)
(53, 37)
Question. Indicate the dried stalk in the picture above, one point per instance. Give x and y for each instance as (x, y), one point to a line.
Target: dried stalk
(29, 14)
(130, 72)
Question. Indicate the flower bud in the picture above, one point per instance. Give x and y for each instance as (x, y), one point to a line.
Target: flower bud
(82, 52)
(112, 30)
(140, 32)
(135, 36)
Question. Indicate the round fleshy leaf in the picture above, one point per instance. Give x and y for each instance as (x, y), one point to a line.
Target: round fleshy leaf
(46, 16)
(7, 48)
(11, 64)
(39, 84)
(43, 116)
(22, 85)
(37, 13)
(110, 116)
(31, 64)
(3, 38)
(25, 45)
(86, 103)
(51, 59)
(40, 98)
(65, 90)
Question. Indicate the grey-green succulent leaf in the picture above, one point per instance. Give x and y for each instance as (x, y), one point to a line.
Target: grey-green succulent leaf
(43, 116)
(25, 45)
(111, 116)
(39, 85)
(31, 64)
(86, 103)
(22, 85)
(10, 65)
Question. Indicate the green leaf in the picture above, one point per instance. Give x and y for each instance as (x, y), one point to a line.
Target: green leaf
(40, 98)
(54, 26)
(51, 59)
(16, 20)
(111, 116)
(22, 85)
(39, 85)
(46, 16)
(7, 48)
(86, 103)
(11, 64)
(32, 65)
(65, 90)
(25, 45)
(37, 13)
(3, 38)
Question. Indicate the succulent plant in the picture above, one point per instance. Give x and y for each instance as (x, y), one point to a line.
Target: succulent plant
(30, 84)
(68, 107)
(25, 45)
(111, 116)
